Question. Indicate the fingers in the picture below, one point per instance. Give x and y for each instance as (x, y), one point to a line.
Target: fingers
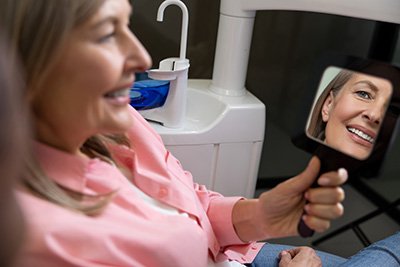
(285, 258)
(328, 212)
(317, 224)
(325, 195)
(333, 178)
(306, 251)
(318, 217)
(299, 256)
(324, 203)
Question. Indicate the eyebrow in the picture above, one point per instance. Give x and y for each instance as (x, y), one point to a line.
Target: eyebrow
(106, 20)
(369, 83)
(374, 88)
(110, 18)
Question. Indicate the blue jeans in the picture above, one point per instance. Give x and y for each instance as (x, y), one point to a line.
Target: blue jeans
(382, 253)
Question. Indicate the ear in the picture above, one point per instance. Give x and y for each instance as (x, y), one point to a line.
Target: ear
(327, 106)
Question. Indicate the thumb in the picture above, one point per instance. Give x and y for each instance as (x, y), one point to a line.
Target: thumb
(305, 179)
(285, 258)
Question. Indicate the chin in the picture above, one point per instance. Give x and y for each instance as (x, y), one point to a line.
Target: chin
(119, 126)
(115, 122)
(359, 154)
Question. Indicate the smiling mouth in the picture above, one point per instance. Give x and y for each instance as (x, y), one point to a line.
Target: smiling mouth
(361, 134)
(118, 93)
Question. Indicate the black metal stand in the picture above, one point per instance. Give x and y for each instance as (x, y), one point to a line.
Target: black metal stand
(384, 207)
(354, 225)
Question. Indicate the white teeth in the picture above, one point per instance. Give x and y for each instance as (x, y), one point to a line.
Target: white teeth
(122, 92)
(361, 134)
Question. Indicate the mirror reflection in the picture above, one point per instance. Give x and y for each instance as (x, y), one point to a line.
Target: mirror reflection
(348, 111)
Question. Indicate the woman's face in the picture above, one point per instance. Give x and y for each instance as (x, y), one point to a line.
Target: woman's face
(354, 115)
(87, 89)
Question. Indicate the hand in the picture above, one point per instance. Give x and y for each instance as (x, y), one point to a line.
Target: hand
(280, 209)
(298, 257)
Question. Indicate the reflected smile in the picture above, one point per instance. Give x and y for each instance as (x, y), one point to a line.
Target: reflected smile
(361, 134)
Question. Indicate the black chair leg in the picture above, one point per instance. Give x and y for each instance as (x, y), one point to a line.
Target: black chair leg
(360, 234)
(355, 225)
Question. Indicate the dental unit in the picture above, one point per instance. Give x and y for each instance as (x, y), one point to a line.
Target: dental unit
(216, 127)
(175, 70)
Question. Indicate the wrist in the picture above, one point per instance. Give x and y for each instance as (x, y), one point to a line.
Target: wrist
(247, 221)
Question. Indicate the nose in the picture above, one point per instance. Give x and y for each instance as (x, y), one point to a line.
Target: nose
(374, 114)
(138, 59)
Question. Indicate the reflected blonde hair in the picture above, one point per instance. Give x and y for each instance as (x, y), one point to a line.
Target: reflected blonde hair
(317, 125)
(36, 29)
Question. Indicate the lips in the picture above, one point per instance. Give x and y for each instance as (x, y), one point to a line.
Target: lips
(368, 137)
(119, 97)
(118, 93)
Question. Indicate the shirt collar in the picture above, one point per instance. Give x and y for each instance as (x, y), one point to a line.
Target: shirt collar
(65, 169)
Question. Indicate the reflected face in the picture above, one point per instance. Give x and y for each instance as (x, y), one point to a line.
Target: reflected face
(87, 90)
(353, 117)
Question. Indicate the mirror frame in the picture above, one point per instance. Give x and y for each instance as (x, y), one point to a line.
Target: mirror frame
(370, 166)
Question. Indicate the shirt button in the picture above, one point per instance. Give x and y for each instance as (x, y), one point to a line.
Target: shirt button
(163, 192)
(244, 259)
(179, 163)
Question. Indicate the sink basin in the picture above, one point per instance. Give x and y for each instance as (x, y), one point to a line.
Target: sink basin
(212, 118)
(203, 110)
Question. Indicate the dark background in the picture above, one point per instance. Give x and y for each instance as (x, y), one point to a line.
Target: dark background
(284, 48)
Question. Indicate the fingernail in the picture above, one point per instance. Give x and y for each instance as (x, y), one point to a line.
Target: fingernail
(343, 173)
(283, 253)
(307, 208)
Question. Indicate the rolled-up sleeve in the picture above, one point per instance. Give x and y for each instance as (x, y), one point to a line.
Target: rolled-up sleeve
(219, 212)
(220, 215)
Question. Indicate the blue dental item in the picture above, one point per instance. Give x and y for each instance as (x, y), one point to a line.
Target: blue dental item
(149, 94)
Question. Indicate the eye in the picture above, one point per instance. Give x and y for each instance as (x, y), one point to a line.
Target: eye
(363, 94)
(107, 37)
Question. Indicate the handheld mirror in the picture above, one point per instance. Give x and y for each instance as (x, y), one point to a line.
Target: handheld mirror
(353, 114)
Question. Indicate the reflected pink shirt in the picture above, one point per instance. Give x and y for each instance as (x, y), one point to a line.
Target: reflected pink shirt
(128, 232)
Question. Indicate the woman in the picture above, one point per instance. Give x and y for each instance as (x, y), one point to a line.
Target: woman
(349, 112)
(101, 189)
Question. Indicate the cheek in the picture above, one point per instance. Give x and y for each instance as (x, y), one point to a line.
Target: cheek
(344, 110)
(101, 77)
(338, 117)
(93, 67)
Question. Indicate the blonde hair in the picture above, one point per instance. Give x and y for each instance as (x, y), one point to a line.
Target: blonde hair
(37, 28)
(13, 145)
(13, 113)
(317, 125)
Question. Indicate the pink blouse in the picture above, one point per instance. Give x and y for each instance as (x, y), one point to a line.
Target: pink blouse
(128, 232)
